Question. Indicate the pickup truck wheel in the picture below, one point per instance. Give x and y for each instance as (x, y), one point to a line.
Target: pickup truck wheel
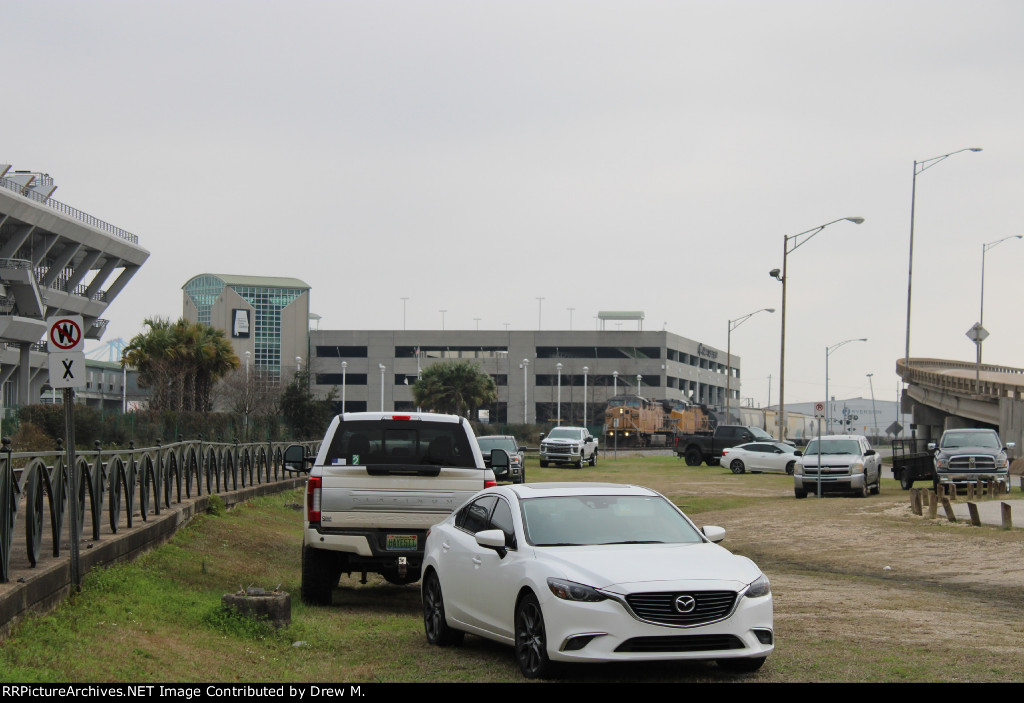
(799, 493)
(593, 458)
(543, 464)
(434, 623)
(876, 487)
(321, 570)
(865, 490)
(737, 466)
(693, 457)
(579, 462)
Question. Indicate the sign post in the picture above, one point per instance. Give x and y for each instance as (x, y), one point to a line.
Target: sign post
(819, 413)
(64, 342)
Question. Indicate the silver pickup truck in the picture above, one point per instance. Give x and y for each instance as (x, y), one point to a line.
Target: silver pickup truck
(379, 481)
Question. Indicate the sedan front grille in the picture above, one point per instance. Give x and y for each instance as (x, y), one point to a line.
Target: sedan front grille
(662, 608)
(681, 643)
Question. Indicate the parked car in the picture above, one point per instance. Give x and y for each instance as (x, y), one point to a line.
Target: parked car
(517, 456)
(761, 456)
(592, 573)
(568, 445)
(838, 463)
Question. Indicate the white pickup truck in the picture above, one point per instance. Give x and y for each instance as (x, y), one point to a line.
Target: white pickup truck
(379, 481)
(568, 445)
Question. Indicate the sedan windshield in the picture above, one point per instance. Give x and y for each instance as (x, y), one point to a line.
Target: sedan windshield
(833, 446)
(560, 521)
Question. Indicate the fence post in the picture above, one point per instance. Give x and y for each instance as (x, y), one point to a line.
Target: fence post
(1006, 515)
(975, 518)
(948, 507)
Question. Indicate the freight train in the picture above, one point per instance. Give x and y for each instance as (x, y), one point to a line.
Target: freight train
(632, 420)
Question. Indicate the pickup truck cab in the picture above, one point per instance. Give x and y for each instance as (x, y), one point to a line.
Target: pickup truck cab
(969, 455)
(568, 445)
(706, 447)
(838, 463)
(377, 484)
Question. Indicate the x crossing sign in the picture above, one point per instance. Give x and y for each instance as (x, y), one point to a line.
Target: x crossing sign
(64, 341)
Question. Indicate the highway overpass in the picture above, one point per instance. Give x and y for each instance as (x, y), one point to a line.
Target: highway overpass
(941, 394)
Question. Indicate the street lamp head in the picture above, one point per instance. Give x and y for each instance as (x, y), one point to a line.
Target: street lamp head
(344, 364)
(855, 220)
(975, 148)
(776, 274)
(769, 309)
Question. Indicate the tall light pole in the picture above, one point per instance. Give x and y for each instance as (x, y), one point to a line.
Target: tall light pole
(539, 301)
(981, 313)
(639, 378)
(442, 318)
(828, 402)
(298, 364)
(874, 413)
(559, 406)
(585, 370)
(615, 383)
(344, 368)
(404, 301)
(919, 167)
(790, 244)
(570, 317)
(733, 324)
(381, 367)
(526, 415)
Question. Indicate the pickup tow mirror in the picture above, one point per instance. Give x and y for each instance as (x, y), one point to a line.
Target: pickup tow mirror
(499, 460)
(932, 446)
(296, 460)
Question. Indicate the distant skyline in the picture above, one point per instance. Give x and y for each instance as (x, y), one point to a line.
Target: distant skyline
(405, 158)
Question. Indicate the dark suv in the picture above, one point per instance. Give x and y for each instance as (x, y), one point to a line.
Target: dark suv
(516, 455)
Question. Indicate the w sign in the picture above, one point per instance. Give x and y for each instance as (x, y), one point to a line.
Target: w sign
(64, 334)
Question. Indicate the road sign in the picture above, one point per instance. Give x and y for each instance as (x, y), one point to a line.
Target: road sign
(67, 369)
(977, 333)
(64, 334)
(819, 410)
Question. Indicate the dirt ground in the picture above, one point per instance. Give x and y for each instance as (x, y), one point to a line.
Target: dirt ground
(892, 595)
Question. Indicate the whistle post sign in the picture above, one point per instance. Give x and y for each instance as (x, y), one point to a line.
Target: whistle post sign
(64, 342)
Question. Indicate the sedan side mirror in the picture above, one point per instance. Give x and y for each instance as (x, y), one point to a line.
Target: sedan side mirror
(713, 533)
(492, 539)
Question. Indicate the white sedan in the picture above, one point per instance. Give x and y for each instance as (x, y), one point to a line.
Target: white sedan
(761, 456)
(592, 573)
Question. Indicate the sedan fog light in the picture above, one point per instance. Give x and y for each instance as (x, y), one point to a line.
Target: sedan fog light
(763, 636)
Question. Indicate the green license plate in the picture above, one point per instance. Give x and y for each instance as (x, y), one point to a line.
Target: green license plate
(401, 543)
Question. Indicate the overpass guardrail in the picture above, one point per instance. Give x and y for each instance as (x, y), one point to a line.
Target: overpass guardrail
(933, 373)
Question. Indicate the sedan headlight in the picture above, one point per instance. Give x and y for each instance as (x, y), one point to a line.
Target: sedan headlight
(759, 588)
(570, 590)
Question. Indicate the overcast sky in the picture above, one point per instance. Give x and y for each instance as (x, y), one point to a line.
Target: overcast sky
(474, 156)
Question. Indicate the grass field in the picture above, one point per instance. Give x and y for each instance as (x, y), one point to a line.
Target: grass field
(947, 609)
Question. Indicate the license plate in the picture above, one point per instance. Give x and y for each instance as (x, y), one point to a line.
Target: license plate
(401, 543)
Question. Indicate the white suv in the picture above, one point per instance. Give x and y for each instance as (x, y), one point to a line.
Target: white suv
(838, 463)
(568, 445)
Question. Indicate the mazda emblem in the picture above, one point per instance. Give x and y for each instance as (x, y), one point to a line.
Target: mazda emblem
(685, 604)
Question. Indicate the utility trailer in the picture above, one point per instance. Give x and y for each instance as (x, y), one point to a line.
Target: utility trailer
(909, 464)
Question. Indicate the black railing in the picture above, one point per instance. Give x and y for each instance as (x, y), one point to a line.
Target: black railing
(120, 483)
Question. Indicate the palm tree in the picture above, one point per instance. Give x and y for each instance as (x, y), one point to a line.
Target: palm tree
(456, 387)
(180, 362)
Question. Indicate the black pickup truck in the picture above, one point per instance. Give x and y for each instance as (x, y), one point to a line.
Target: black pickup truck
(706, 447)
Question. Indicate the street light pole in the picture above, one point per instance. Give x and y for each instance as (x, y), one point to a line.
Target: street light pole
(733, 324)
(558, 408)
(381, 366)
(981, 313)
(526, 415)
(774, 273)
(539, 301)
(344, 367)
(919, 167)
(828, 405)
(874, 413)
(585, 370)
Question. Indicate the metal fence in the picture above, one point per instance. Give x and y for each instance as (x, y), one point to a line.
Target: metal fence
(118, 485)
